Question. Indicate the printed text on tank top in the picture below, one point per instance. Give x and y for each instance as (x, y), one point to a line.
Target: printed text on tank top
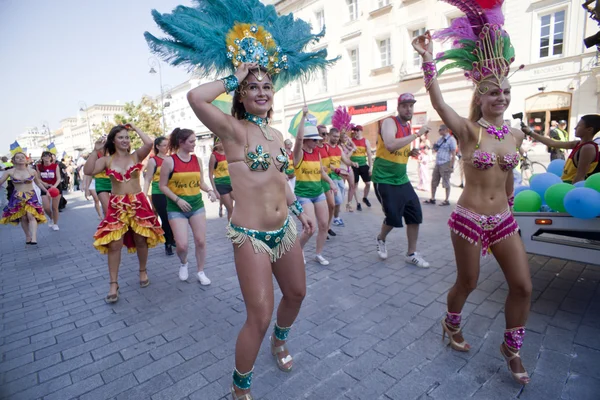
(260, 160)
(483, 160)
(48, 173)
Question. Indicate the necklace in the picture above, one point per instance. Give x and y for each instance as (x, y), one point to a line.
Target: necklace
(262, 123)
(497, 133)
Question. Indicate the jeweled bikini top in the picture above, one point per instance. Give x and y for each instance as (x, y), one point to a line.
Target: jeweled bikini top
(259, 160)
(132, 172)
(483, 160)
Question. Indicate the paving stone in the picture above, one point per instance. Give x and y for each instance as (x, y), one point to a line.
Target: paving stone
(365, 364)
(332, 387)
(96, 367)
(582, 387)
(76, 389)
(43, 389)
(31, 367)
(122, 369)
(413, 386)
(371, 386)
(112, 389)
(64, 367)
(145, 390)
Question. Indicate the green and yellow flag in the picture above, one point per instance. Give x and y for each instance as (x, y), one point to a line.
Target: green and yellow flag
(322, 111)
(223, 103)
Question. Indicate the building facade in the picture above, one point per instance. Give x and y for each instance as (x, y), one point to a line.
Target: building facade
(377, 63)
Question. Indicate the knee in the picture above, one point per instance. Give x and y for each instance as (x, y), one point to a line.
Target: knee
(182, 247)
(296, 295)
(521, 289)
(259, 321)
(140, 242)
(200, 243)
(323, 225)
(467, 285)
(115, 246)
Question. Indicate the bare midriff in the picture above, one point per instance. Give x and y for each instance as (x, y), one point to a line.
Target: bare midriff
(129, 187)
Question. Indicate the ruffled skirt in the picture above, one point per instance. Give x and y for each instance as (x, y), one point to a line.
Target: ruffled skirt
(128, 214)
(19, 205)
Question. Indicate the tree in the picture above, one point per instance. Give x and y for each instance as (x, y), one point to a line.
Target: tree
(145, 115)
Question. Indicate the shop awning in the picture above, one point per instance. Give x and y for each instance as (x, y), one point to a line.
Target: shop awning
(367, 119)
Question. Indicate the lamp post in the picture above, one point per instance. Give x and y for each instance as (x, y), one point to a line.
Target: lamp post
(155, 62)
(83, 107)
(46, 126)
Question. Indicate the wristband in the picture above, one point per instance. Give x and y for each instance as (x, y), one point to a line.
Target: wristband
(511, 201)
(429, 73)
(296, 208)
(230, 83)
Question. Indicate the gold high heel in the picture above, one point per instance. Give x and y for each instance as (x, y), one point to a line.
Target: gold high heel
(464, 346)
(246, 396)
(113, 298)
(281, 361)
(146, 282)
(522, 378)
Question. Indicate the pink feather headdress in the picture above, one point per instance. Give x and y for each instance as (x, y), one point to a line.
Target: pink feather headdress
(341, 119)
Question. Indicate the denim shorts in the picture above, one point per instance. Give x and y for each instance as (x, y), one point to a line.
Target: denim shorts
(339, 196)
(182, 214)
(304, 200)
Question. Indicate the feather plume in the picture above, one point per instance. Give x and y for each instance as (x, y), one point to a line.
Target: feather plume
(341, 119)
(201, 38)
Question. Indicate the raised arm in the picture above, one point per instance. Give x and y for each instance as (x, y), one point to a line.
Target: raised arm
(149, 174)
(143, 151)
(557, 144)
(201, 99)
(300, 138)
(204, 186)
(457, 124)
(388, 134)
(93, 165)
(5, 176)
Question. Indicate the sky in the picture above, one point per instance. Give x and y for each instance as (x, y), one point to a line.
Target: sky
(56, 53)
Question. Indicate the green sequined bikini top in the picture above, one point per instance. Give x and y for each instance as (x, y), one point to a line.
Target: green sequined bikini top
(259, 160)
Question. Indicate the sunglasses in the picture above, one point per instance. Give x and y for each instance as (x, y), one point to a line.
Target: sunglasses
(315, 140)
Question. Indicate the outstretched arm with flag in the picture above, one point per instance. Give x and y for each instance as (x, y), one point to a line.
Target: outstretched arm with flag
(322, 111)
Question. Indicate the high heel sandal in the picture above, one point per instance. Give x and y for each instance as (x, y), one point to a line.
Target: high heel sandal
(246, 396)
(113, 298)
(349, 207)
(522, 378)
(146, 282)
(464, 346)
(281, 361)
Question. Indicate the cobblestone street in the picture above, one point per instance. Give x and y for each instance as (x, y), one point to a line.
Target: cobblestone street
(368, 329)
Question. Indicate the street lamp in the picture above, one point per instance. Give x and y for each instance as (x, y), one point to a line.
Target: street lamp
(83, 107)
(155, 62)
(46, 126)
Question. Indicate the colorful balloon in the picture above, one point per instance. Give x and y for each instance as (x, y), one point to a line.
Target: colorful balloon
(555, 196)
(583, 203)
(593, 182)
(527, 201)
(556, 167)
(540, 183)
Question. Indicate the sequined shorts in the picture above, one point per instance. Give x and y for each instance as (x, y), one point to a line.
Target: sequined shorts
(489, 229)
(274, 243)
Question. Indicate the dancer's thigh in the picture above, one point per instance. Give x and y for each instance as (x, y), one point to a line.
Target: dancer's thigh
(254, 273)
(467, 256)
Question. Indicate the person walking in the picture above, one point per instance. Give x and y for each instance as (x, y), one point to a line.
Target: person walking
(364, 159)
(51, 178)
(423, 159)
(219, 177)
(558, 132)
(445, 149)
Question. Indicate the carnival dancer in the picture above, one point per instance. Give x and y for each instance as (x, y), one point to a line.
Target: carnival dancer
(50, 176)
(490, 151)
(347, 173)
(337, 170)
(23, 205)
(309, 187)
(181, 180)
(290, 172)
(158, 198)
(219, 177)
(363, 157)
(129, 220)
(322, 146)
(263, 234)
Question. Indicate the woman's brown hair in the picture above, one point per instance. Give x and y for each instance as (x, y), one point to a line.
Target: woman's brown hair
(177, 137)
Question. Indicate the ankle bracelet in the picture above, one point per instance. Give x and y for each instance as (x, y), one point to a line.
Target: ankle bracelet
(513, 338)
(281, 333)
(242, 381)
(453, 319)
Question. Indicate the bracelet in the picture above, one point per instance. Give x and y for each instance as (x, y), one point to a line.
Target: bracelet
(230, 83)
(511, 201)
(296, 208)
(177, 201)
(429, 73)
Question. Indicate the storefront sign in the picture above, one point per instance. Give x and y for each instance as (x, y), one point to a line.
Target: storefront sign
(380, 106)
(548, 101)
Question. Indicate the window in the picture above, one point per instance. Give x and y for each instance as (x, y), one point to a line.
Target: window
(416, 57)
(355, 76)
(552, 34)
(320, 19)
(352, 9)
(383, 3)
(385, 52)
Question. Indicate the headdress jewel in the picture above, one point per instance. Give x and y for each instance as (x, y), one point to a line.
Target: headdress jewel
(216, 36)
(480, 45)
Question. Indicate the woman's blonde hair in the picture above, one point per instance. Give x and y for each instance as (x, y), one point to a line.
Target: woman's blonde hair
(475, 113)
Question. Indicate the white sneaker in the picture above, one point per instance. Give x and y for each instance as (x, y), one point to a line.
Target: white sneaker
(203, 279)
(55, 228)
(321, 260)
(381, 249)
(51, 227)
(183, 272)
(417, 260)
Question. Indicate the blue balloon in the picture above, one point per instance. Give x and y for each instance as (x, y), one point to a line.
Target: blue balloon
(520, 188)
(580, 184)
(583, 203)
(556, 167)
(540, 183)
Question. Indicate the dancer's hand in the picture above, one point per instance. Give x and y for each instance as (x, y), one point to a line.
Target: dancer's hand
(415, 152)
(355, 164)
(100, 143)
(212, 196)
(424, 46)
(308, 225)
(87, 194)
(424, 130)
(526, 130)
(183, 205)
(304, 110)
(242, 72)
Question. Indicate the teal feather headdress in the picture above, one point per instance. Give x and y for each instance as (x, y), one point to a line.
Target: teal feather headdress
(215, 36)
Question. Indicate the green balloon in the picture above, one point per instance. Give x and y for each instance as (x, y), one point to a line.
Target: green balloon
(555, 196)
(593, 182)
(528, 201)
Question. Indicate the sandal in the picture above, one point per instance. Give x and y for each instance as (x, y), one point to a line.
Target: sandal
(430, 201)
(445, 203)
(463, 346)
(522, 378)
(246, 396)
(146, 282)
(281, 361)
(349, 207)
(113, 298)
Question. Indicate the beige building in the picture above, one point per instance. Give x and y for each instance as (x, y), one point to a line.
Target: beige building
(373, 39)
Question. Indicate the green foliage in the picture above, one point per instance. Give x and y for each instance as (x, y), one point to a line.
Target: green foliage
(145, 115)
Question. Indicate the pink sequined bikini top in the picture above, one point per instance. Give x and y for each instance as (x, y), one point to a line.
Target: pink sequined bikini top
(483, 160)
(132, 172)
